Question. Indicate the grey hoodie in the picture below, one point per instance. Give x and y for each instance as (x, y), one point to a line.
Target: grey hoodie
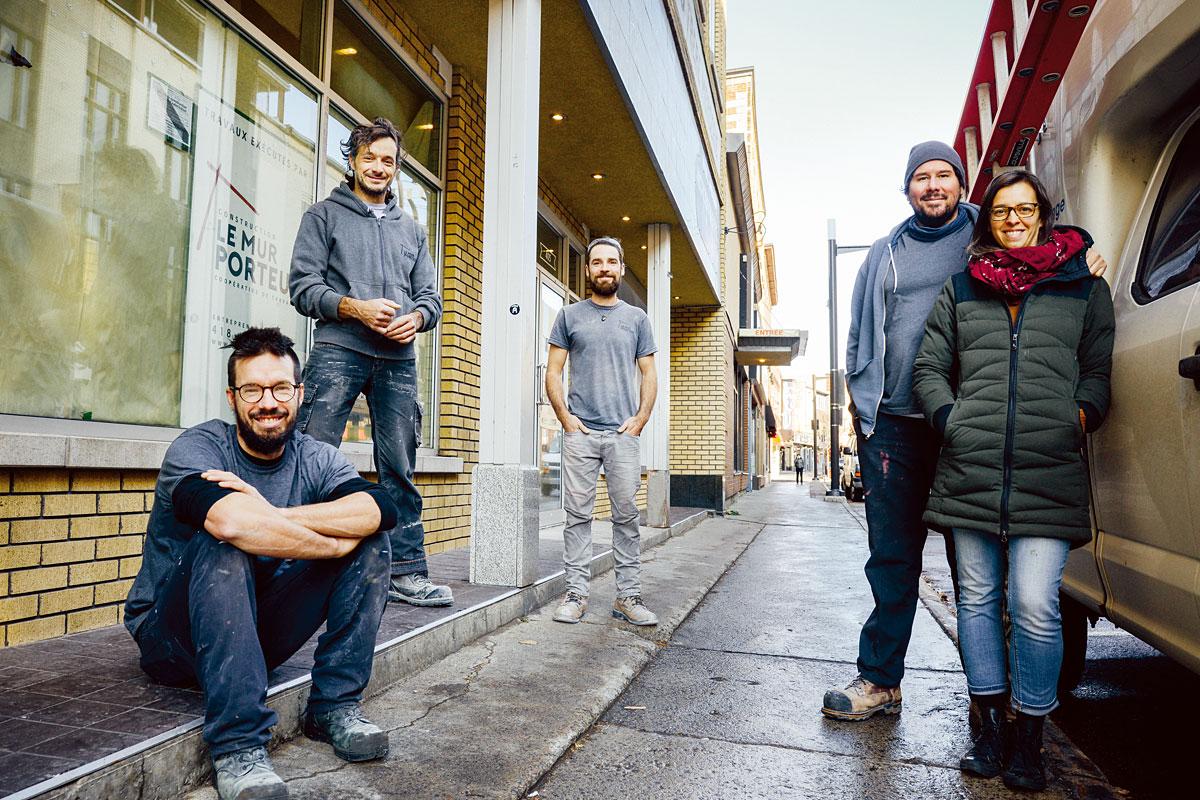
(866, 344)
(343, 250)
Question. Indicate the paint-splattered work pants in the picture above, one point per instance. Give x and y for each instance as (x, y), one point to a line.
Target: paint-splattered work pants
(225, 618)
(333, 379)
(897, 462)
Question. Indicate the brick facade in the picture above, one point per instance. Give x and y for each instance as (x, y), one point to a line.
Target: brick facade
(70, 545)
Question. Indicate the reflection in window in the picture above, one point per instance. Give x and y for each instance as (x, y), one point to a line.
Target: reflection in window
(373, 79)
(14, 83)
(294, 25)
(176, 21)
(1171, 259)
(575, 278)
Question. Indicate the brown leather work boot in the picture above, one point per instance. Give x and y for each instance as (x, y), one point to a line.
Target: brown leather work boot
(861, 700)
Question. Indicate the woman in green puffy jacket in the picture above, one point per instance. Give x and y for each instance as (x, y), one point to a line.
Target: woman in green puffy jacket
(1014, 370)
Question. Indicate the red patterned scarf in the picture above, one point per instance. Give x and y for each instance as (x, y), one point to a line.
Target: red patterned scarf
(1014, 272)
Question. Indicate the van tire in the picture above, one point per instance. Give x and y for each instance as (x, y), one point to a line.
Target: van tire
(1074, 635)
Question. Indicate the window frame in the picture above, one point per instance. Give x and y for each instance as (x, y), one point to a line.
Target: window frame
(569, 240)
(123, 445)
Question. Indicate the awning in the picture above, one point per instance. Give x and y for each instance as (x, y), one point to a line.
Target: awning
(770, 420)
(773, 347)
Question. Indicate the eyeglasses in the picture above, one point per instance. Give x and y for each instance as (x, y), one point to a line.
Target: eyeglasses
(252, 392)
(1024, 211)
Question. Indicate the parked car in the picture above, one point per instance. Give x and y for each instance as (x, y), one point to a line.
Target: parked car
(1120, 155)
(851, 477)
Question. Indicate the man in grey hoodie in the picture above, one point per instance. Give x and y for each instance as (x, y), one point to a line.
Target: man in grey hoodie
(361, 268)
(893, 295)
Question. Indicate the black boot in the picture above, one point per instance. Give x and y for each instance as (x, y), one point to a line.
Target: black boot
(1026, 770)
(986, 756)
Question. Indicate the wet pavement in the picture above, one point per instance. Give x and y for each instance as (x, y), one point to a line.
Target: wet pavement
(731, 707)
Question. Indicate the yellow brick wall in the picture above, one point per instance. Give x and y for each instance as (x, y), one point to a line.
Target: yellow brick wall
(447, 513)
(70, 544)
(701, 358)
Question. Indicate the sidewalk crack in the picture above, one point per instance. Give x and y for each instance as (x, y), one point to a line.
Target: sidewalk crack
(455, 691)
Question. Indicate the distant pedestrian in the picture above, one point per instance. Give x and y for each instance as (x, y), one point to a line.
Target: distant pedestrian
(1026, 328)
(613, 386)
(361, 268)
(895, 290)
(799, 465)
(259, 536)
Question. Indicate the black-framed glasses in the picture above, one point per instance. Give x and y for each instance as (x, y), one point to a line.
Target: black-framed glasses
(252, 392)
(1024, 211)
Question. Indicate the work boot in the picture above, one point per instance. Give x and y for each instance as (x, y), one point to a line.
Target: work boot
(986, 756)
(247, 775)
(634, 611)
(571, 609)
(861, 700)
(418, 590)
(1026, 770)
(353, 736)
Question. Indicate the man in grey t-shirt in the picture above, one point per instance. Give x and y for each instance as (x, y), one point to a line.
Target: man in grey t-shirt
(613, 385)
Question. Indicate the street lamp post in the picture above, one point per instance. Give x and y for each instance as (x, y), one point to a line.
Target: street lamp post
(835, 388)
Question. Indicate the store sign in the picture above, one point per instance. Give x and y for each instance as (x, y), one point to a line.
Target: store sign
(251, 182)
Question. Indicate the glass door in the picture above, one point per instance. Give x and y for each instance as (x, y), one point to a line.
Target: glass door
(550, 440)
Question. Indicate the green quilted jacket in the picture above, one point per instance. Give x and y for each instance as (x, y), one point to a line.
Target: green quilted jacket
(1007, 399)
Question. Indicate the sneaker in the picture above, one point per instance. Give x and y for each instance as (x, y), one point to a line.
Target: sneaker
(418, 590)
(247, 775)
(571, 609)
(353, 736)
(861, 700)
(633, 611)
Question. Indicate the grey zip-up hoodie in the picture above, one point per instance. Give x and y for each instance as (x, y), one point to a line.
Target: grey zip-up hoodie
(343, 250)
(866, 344)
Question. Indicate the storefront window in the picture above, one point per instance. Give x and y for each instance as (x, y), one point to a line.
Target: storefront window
(153, 174)
(370, 77)
(549, 248)
(92, 263)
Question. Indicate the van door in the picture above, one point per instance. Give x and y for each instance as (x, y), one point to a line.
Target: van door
(1144, 461)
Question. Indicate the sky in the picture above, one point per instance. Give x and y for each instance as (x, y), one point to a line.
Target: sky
(844, 89)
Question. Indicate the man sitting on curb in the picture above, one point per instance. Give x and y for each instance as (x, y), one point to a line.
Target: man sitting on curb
(259, 535)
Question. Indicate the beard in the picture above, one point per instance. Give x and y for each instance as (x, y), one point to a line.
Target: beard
(265, 442)
(607, 290)
(936, 220)
(377, 197)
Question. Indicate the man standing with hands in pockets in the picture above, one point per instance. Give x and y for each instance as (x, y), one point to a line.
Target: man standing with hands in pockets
(609, 342)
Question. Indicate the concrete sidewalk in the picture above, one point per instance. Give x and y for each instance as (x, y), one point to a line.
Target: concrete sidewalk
(732, 707)
(493, 717)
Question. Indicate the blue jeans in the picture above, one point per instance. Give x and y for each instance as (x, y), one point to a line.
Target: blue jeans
(225, 618)
(1034, 656)
(897, 462)
(333, 379)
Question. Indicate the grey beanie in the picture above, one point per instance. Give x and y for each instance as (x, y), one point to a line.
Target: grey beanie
(933, 151)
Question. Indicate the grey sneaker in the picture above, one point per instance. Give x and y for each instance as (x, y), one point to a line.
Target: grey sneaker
(571, 609)
(861, 700)
(247, 775)
(418, 590)
(353, 736)
(633, 611)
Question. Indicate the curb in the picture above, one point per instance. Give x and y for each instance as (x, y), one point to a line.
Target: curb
(175, 762)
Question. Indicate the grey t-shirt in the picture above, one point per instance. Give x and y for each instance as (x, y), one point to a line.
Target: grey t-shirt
(308, 472)
(605, 343)
(922, 269)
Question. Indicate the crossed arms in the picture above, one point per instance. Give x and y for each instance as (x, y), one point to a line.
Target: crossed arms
(233, 511)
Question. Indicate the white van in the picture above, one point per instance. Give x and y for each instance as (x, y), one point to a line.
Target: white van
(1120, 155)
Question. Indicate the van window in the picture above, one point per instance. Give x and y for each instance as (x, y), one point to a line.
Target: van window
(1171, 258)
